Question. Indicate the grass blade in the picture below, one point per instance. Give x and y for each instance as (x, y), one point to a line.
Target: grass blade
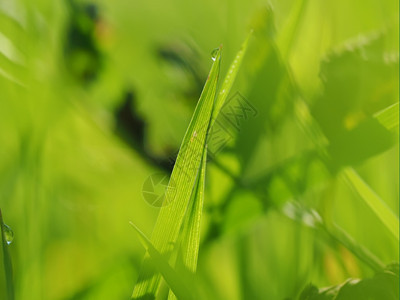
(184, 176)
(191, 241)
(377, 205)
(177, 283)
(189, 249)
(7, 261)
(389, 117)
(229, 79)
(189, 181)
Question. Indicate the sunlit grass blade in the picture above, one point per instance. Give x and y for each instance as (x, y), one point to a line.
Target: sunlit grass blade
(188, 180)
(183, 176)
(178, 284)
(189, 249)
(7, 261)
(310, 218)
(229, 80)
(191, 232)
(191, 240)
(377, 205)
(389, 117)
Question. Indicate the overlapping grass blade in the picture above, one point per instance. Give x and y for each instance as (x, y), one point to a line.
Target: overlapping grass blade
(191, 230)
(189, 249)
(178, 284)
(229, 80)
(184, 177)
(389, 117)
(189, 184)
(7, 261)
(377, 205)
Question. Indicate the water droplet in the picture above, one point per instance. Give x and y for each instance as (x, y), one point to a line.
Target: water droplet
(8, 233)
(214, 54)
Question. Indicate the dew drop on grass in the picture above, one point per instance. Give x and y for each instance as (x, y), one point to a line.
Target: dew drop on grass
(214, 54)
(9, 234)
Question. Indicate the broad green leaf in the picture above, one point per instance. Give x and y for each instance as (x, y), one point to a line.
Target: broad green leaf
(7, 259)
(350, 99)
(184, 177)
(377, 205)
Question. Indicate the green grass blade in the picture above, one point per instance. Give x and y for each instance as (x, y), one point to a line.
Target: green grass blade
(389, 117)
(7, 261)
(191, 241)
(377, 205)
(191, 230)
(178, 284)
(184, 176)
(229, 79)
(361, 252)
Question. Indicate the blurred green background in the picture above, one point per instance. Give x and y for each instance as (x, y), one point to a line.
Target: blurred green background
(96, 96)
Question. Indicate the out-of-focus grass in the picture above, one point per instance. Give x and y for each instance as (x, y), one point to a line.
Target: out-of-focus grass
(72, 169)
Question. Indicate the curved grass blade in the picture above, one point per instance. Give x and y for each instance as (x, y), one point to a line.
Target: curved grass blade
(178, 284)
(191, 241)
(377, 205)
(184, 176)
(7, 261)
(189, 183)
(229, 79)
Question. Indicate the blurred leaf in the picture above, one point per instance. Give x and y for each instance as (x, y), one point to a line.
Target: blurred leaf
(350, 97)
(383, 286)
(269, 93)
(289, 33)
(389, 117)
(377, 205)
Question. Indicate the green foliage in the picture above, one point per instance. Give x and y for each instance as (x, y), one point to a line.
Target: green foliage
(188, 178)
(287, 172)
(384, 285)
